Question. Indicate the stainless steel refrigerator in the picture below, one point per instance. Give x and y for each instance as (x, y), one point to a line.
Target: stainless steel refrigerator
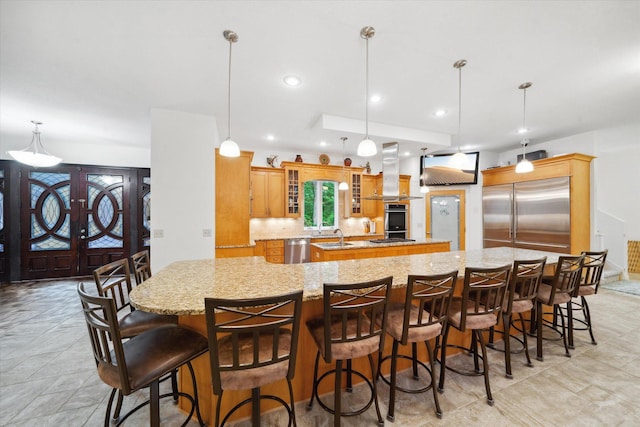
(530, 215)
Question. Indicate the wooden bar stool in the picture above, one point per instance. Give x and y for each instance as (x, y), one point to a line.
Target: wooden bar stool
(420, 319)
(141, 361)
(141, 266)
(353, 325)
(482, 298)
(252, 343)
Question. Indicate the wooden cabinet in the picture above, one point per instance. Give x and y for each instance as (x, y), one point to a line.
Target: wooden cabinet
(360, 252)
(356, 194)
(369, 189)
(232, 199)
(267, 193)
(575, 166)
(271, 250)
(292, 192)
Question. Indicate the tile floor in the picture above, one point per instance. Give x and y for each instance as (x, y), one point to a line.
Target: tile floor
(48, 378)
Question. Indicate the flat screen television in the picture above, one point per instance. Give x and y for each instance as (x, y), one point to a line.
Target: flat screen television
(440, 169)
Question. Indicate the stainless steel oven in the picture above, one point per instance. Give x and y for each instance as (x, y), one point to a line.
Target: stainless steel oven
(395, 221)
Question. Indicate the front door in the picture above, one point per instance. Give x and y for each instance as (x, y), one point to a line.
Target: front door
(445, 217)
(76, 220)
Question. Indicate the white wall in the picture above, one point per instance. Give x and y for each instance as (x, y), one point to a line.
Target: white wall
(183, 186)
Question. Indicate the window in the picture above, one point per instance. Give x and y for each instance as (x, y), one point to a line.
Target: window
(320, 205)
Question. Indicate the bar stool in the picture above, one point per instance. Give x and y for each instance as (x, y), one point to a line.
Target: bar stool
(592, 268)
(353, 325)
(131, 365)
(141, 266)
(482, 298)
(559, 291)
(252, 343)
(114, 280)
(419, 319)
(520, 298)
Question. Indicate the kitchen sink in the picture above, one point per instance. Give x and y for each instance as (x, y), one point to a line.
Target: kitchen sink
(333, 244)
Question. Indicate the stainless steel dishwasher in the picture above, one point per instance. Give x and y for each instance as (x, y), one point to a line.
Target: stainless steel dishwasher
(297, 250)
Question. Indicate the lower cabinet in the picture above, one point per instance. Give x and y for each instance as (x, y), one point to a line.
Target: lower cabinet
(271, 250)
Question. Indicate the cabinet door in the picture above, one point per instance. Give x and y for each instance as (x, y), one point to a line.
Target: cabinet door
(356, 194)
(369, 207)
(275, 194)
(292, 209)
(259, 196)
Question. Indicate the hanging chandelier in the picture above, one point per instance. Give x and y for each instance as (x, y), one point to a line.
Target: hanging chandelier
(35, 155)
(524, 165)
(367, 147)
(343, 186)
(229, 148)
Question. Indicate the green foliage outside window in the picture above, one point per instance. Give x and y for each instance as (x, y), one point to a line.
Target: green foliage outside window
(324, 206)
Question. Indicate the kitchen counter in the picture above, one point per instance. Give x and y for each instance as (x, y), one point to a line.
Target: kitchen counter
(369, 249)
(362, 244)
(180, 288)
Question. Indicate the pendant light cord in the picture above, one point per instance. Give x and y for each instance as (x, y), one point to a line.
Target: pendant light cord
(229, 95)
(524, 109)
(459, 105)
(366, 99)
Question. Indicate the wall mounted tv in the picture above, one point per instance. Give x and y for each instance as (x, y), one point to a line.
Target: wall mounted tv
(440, 169)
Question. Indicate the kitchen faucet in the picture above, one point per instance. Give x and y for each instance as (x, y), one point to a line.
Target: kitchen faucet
(341, 236)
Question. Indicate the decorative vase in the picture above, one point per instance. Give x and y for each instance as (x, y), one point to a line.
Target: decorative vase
(298, 158)
(347, 161)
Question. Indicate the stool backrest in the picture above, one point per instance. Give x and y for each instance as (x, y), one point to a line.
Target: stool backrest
(433, 293)
(101, 317)
(361, 304)
(242, 323)
(114, 280)
(566, 277)
(526, 277)
(483, 292)
(592, 268)
(141, 265)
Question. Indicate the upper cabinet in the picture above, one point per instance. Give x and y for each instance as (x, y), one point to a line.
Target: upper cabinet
(369, 189)
(232, 199)
(292, 191)
(267, 192)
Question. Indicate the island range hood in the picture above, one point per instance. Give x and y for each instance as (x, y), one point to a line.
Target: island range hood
(390, 176)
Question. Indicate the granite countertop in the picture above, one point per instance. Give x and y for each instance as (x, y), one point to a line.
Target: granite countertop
(361, 244)
(318, 236)
(180, 288)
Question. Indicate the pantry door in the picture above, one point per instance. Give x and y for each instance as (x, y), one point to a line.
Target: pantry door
(445, 217)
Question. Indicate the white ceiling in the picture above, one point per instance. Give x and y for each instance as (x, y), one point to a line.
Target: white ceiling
(91, 71)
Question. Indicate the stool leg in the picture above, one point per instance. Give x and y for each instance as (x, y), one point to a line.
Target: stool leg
(108, 413)
(154, 404)
(587, 318)
(443, 359)
(255, 407)
(336, 394)
(565, 333)
(539, 331)
(432, 356)
(349, 376)
(524, 338)
(292, 403)
(314, 388)
(414, 359)
(174, 385)
(570, 324)
(506, 321)
(392, 382)
(485, 364)
(474, 348)
(375, 391)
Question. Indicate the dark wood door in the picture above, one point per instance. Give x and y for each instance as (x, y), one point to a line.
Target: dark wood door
(73, 220)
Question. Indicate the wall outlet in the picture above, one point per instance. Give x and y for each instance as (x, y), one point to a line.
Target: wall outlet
(207, 232)
(158, 233)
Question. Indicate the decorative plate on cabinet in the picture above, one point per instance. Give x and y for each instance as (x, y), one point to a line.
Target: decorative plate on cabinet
(324, 159)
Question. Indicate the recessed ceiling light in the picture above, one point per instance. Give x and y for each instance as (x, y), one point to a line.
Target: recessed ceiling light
(323, 143)
(270, 137)
(407, 153)
(292, 81)
(440, 113)
(375, 98)
(522, 130)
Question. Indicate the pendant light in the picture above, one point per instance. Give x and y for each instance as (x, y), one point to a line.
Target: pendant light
(343, 186)
(459, 158)
(367, 147)
(424, 188)
(524, 165)
(229, 148)
(35, 155)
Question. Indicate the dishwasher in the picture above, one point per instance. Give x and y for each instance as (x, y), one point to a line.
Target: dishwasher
(297, 251)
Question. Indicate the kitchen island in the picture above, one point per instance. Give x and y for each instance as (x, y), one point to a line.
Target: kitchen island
(181, 287)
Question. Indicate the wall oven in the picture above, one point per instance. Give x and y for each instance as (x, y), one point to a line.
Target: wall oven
(395, 221)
